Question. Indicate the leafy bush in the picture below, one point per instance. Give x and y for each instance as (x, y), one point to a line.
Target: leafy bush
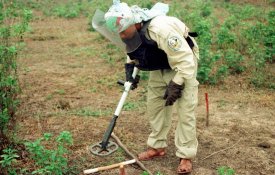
(13, 24)
(50, 161)
(225, 37)
(269, 40)
(69, 10)
(234, 60)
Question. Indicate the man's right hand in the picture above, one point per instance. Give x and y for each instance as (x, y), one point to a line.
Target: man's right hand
(129, 69)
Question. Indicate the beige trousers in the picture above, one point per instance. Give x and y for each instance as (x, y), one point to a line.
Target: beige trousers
(160, 116)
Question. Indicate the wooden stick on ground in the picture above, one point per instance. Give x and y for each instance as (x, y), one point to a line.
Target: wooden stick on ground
(221, 150)
(130, 154)
(94, 170)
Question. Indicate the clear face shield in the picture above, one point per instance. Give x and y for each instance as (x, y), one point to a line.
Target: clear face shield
(113, 29)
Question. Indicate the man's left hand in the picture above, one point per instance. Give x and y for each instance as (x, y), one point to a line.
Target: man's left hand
(172, 93)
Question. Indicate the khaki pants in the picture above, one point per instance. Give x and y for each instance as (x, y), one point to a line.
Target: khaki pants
(160, 116)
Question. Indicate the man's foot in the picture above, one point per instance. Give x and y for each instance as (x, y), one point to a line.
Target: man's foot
(151, 153)
(185, 166)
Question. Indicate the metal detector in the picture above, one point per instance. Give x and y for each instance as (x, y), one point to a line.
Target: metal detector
(106, 147)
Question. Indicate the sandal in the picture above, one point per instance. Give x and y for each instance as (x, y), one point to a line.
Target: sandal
(185, 166)
(151, 153)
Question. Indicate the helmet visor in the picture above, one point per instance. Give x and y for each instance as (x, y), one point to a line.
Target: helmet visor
(111, 28)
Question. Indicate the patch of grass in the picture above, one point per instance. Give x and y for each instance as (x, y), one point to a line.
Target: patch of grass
(128, 106)
(93, 89)
(120, 157)
(83, 51)
(49, 97)
(222, 103)
(60, 91)
(81, 80)
(107, 81)
(88, 112)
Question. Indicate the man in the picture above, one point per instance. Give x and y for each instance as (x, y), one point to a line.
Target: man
(162, 45)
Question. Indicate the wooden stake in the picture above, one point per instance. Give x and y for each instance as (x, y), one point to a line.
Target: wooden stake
(122, 170)
(207, 109)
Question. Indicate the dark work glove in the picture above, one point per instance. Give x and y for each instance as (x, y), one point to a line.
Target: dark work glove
(172, 93)
(129, 69)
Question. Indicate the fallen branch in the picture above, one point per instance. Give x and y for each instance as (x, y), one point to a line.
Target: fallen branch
(221, 150)
(130, 154)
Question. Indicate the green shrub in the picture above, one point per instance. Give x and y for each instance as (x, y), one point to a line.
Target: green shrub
(14, 20)
(69, 10)
(234, 61)
(50, 161)
(8, 159)
(225, 37)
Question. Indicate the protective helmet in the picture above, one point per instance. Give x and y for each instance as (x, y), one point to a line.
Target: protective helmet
(119, 17)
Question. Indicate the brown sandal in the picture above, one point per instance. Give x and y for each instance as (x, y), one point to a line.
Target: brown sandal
(151, 153)
(185, 166)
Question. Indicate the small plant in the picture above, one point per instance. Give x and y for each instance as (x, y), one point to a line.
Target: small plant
(8, 159)
(224, 170)
(50, 161)
(146, 173)
(129, 106)
(60, 91)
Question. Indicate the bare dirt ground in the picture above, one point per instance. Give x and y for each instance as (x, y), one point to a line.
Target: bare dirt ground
(64, 79)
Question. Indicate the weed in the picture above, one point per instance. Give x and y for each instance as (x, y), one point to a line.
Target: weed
(8, 159)
(224, 170)
(50, 161)
(60, 91)
(128, 106)
(93, 89)
(49, 97)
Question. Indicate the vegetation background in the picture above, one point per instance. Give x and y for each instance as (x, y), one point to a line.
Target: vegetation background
(57, 87)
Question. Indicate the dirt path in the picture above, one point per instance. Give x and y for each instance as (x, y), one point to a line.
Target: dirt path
(68, 83)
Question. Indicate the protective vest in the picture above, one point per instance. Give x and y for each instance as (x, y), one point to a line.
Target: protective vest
(148, 55)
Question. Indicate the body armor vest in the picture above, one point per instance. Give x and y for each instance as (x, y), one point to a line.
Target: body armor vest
(149, 56)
